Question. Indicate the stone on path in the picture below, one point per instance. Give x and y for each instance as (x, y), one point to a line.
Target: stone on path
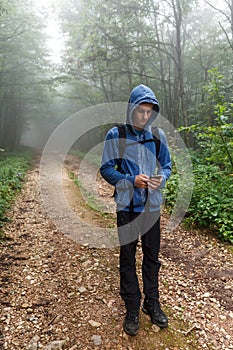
(96, 340)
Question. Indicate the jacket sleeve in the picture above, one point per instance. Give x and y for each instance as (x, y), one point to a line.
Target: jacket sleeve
(108, 169)
(164, 158)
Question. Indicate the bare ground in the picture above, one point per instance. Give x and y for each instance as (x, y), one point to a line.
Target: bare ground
(58, 294)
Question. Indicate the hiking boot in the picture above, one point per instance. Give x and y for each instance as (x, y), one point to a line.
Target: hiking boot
(131, 322)
(152, 308)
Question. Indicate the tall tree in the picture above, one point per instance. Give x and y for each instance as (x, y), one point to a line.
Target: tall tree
(114, 45)
(22, 65)
(228, 15)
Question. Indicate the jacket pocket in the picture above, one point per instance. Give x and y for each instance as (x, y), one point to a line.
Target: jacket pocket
(123, 198)
(139, 198)
(123, 193)
(156, 198)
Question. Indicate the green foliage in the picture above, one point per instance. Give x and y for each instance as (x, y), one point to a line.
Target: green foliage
(171, 190)
(215, 143)
(211, 205)
(12, 170)
(3, 8)
(215, 139)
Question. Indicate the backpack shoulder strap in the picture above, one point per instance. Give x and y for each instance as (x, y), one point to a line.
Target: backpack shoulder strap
(121, 145)
(122, 139)
(156, 137)
(122, 142)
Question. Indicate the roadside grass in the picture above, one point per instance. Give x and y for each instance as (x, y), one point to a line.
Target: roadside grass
(90, 199)
(92, 204)
(13, 168)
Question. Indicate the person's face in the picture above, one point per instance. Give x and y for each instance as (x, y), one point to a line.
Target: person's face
(141, 115)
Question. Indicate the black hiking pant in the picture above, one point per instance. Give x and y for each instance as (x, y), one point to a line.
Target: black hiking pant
(130, 225)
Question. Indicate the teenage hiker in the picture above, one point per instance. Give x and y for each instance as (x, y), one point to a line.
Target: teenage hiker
(132, 156)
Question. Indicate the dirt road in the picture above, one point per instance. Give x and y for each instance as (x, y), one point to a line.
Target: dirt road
(58, 294)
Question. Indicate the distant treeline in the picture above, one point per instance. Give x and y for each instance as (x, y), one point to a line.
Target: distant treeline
(109, 47)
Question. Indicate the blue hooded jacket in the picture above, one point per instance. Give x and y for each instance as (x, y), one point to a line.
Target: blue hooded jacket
(137, 159)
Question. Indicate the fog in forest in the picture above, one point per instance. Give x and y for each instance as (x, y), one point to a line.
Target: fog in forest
(60, 57)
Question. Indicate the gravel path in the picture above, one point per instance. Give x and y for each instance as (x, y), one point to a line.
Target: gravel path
(58, 294)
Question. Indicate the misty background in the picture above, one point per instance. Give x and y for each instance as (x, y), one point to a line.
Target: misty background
(59, 57)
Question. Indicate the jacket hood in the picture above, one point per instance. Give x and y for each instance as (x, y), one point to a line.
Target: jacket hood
(142, 94)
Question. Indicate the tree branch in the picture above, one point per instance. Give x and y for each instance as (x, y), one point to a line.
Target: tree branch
(219, 10)
(227, 36)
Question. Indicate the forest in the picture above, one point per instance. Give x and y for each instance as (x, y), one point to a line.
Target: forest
(60, 57)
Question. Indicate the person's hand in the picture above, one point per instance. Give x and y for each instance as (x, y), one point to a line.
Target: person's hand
(141, 181)
(154, 183)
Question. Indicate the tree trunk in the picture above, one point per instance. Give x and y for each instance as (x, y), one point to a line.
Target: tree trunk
(162, 70)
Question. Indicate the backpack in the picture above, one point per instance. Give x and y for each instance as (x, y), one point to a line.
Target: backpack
(122, 142)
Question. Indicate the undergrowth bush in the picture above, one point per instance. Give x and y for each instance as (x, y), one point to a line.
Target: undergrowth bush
(12, 171)
(211, 203)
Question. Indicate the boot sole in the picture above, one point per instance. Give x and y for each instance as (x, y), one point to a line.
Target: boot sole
(160, 325)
